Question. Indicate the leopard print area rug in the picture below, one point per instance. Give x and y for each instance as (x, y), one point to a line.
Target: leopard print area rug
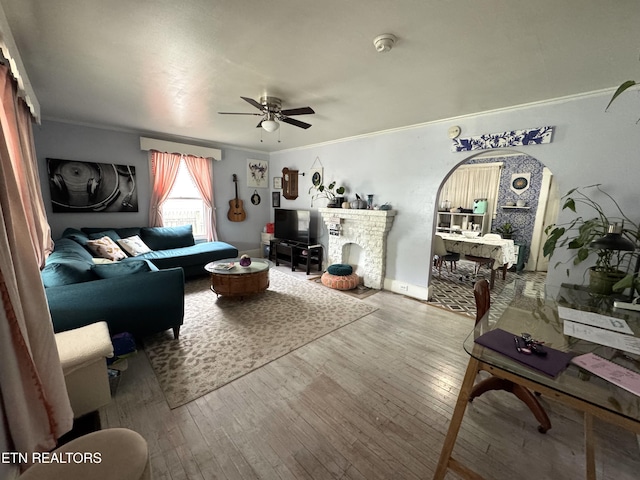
(225, 338)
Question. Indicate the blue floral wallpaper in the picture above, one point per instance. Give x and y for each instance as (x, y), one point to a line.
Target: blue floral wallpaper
(522, 220)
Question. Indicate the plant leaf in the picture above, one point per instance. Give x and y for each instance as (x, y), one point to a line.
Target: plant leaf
(626, 282)
(570, 204)
(583, 253)
(552, 240)
(625, 86)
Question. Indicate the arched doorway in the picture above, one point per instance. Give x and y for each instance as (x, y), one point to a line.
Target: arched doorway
(525, 197)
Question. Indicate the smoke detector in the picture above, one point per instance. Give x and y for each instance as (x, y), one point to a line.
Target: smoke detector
(384, 42)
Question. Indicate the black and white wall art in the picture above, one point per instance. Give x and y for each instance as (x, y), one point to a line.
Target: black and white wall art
(78, 186)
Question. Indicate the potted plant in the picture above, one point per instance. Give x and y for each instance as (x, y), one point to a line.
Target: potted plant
(329, 193)
(609, 271)
(506, 230)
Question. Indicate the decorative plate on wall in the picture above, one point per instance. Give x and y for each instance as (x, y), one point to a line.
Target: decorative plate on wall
(316, 176)
(520, 182)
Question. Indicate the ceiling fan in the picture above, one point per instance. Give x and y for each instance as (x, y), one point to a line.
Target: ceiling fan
(271, 112)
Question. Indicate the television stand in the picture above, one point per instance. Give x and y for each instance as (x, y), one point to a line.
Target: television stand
(295, 253)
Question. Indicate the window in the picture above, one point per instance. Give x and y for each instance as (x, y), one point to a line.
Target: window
(184, 206)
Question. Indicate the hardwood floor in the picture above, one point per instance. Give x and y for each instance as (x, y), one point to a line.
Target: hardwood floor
(371, 400)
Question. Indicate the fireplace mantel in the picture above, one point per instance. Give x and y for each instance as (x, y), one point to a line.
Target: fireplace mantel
(365, 228)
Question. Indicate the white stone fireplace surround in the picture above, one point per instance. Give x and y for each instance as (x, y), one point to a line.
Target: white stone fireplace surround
(366, 228)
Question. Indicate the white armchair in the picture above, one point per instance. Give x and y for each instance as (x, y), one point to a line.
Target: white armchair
(83, 353)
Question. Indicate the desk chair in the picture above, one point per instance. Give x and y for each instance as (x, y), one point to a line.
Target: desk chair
(483, 302)
(441, 255)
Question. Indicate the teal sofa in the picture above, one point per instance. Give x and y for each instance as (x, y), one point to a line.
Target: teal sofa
(141, 295)
(171, 246)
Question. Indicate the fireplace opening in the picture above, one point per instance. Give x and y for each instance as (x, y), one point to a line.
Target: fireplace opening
(353, 254)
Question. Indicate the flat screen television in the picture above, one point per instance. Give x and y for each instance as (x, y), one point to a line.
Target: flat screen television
(293, 226)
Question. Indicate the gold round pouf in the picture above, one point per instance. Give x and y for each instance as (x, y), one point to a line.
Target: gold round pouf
(340, 282)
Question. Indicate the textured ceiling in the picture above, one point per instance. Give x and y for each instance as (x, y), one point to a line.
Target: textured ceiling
(167, 68)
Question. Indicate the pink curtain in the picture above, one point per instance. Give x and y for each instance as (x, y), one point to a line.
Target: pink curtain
(34, 394)
(200, 170)
(164, 170)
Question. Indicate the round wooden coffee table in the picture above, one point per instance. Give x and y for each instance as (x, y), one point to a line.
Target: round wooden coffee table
(230, 279)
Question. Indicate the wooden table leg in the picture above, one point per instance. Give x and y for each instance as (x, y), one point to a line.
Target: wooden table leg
(456, 420)
(589, 447)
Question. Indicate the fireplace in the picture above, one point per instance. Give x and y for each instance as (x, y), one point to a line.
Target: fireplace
(366, 228)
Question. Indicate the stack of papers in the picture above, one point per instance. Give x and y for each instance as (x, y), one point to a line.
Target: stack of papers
(600, 329)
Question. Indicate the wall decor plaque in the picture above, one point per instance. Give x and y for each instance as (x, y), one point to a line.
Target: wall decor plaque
(514, 138)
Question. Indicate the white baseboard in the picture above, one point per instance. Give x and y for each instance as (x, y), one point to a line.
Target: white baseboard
(403, 288)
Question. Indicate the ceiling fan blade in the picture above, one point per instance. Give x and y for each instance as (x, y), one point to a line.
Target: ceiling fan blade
(253, 102)
(260, 124)
(294, 122)
(238, 113)
(298, 111)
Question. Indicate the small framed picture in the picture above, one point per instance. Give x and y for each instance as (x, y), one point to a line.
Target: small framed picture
(275, 199)
(277, 182)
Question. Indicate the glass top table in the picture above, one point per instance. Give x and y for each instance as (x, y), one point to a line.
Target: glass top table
(592, 395)
(257, 265)
(229, 278)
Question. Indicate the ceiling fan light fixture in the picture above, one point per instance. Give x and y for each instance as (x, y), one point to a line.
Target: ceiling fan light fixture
(270, 125)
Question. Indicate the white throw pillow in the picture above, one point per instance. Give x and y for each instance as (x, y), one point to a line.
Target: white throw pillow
(101, 261)
(134, 246)
(106, 248)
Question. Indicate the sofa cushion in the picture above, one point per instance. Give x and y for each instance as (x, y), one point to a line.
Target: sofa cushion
(196, 255)
(76, 235)
(124, 232)
(112, 234)
(66, 272)
(106, 248)
(111, 270)
(66, 248)
(134, 245)
(164, 238)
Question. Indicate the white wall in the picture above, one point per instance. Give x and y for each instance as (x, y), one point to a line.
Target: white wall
(406, 167)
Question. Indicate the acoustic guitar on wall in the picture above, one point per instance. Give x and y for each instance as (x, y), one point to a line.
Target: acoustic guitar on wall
(236, 209)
